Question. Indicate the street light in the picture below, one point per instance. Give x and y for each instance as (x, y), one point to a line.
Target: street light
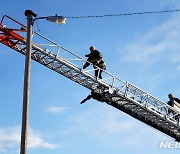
(31, 17)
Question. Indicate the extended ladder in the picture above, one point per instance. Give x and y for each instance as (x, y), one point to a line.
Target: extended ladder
(123, 95)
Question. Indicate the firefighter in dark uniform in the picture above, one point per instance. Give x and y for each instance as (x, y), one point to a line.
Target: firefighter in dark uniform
(172, 99)
(95, 57)
(95, 95)
(171, 103)
(98, 94)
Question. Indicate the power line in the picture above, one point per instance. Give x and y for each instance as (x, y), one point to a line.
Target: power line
(126, 14)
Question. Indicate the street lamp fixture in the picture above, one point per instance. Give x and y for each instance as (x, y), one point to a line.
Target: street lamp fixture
(31, 17)
(57, 19)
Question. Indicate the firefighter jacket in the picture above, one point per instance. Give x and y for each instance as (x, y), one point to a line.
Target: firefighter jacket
(171, 102)
(96, 59)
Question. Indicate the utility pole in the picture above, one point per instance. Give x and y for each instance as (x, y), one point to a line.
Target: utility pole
(25, 113)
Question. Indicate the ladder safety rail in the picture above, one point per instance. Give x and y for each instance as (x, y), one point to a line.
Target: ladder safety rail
(6, 16)
(128, 90)
(147, 100)
(10, 36)
(122, 95)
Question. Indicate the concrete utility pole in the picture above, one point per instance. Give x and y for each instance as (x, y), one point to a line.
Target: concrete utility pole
(25, 115)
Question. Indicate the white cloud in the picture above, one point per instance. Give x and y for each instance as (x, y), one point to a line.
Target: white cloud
(160, 42)
(10, 138)
(36, 141)
(56, 110)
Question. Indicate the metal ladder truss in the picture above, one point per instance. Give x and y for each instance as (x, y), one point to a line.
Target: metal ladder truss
(123, 95)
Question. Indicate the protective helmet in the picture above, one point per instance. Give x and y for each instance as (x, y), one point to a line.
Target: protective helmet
(92, 47)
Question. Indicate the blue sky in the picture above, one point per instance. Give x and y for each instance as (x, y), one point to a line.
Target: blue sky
(140, 49)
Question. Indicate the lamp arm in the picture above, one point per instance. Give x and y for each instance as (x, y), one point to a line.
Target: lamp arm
(38, 19)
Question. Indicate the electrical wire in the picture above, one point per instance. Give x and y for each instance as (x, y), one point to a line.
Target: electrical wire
(126, 14)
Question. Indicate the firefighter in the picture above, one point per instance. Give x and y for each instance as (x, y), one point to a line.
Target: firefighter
(171, 103)
(172, 99)
(98, 94)
(94, 95)
(95, 57)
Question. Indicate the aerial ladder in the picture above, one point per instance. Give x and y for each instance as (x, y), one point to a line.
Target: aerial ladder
(122, 95)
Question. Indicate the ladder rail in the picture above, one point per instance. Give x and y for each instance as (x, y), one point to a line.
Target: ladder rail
(129, 90)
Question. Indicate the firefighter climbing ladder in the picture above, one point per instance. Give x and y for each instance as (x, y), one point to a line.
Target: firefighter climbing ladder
(123, 95)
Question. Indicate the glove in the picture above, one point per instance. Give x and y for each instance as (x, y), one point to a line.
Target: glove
(95, 64)
(87, 55)
(84, 66)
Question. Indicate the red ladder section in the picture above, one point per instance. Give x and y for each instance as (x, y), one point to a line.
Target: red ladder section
(9, 36)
